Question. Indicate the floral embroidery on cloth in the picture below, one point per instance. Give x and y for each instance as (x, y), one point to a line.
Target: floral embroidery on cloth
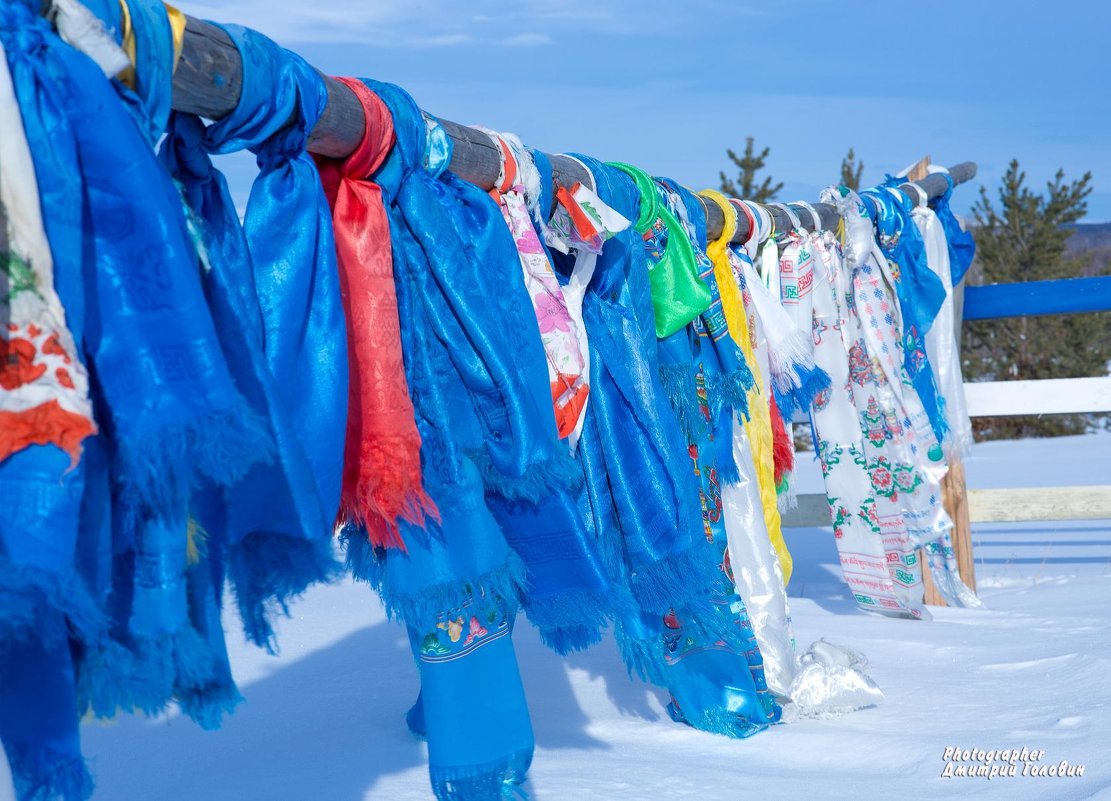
(852, 433)
(44, 389)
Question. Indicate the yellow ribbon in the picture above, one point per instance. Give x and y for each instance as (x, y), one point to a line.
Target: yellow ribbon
(177, 27)
(127, 40)
(758, 426)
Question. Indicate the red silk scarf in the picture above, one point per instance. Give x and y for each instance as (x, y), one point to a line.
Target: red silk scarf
(381, 471)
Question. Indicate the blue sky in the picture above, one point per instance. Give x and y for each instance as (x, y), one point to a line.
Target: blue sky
(670, 85)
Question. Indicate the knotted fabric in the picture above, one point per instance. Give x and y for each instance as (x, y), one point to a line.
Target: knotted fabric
(908, 473)
(272, 522)
(294, 265)
(143, 28)
(128, 276)
(43, 603)
(741, 324)
(381, 471)
(962, 246)
(678, 294)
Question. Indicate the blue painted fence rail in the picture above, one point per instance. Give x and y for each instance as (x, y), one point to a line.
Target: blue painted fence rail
(1062, 296)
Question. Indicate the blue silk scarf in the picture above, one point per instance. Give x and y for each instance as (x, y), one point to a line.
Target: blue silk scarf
(172, 642)
(167, 410)
(456, 586)
(641, 496)
(571, 596)
(962, 245)
(149, 100)
(46, 606)
(276, 522)
(919, 291)
(303, 328)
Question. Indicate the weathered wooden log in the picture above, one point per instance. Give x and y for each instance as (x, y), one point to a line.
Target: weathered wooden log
(208, 82)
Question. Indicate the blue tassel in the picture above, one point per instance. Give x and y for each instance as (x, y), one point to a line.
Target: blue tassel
(560, 617)
(678, 382)
(811, 381)
(724, 461)
(495, 781)
(729, 391)
(365, 564)
(559, 471)
(692, 573)
(267, 572)
(643, 657)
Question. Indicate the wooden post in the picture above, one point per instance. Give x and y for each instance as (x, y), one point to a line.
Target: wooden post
(932, 596)
(954, 491)
(954, 494)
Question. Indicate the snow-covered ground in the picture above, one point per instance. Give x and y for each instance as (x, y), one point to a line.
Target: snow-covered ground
(324, 719)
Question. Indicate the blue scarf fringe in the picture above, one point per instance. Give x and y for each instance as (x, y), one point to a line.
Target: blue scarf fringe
(717, 721)
(495, 781)
(729, 391)
(559, 470)
(799, 395)
(150, 672)
(268, 572)
(678, 382)
(560, 618)
(656, 586)
(728, 473)
(643, 656)
(426, 605)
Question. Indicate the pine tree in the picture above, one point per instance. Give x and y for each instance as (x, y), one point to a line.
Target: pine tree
(852, 169)
(749, 164)
(1024, 239)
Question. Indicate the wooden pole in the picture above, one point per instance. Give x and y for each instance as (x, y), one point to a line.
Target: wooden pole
(954, 493)
(954, 490)
(208, 82)
(932, 597)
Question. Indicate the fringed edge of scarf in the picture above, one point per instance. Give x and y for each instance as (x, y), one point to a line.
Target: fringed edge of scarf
(47, 775)
(423, 608)
(730, 391)
(642, 658)
(729, 394)
(162, 465)
(796, 379)
(378, 498)
(267, 572)
(30, 597)
(151, 672)
(559, 470)
(680, 388)
(718, 721)
(574, 620)
(725, 460)
(498, 780)
(678, 581)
